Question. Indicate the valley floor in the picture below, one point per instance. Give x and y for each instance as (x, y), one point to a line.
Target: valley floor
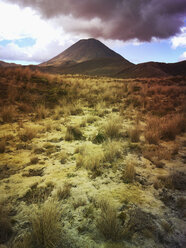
(101, 168)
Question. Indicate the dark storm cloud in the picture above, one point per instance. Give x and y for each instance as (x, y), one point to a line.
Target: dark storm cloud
(115, 19)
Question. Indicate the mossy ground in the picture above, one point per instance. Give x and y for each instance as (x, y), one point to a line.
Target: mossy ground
(89, 105)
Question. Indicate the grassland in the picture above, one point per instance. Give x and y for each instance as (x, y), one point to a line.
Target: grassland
(91, 162)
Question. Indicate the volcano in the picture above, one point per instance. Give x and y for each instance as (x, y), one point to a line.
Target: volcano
(87, 56)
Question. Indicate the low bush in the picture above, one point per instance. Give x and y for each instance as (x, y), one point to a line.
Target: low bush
(8, 113)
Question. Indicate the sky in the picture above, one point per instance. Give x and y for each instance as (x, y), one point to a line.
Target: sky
(34, 31)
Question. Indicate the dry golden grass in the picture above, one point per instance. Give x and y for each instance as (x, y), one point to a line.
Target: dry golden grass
(112, 151)
(46, 226)
(64, 191)
(90, 157)
(28, 133)
(41, 112)
(73, 133)
(5, 224)
(108, 223)
(63, 157)
(129, 172)
(112, 128)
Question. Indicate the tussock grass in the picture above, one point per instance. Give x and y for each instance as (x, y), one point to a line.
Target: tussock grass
(41, 112)
(64, 191)
(90, 157)
(112, 128)
(112, 150)
(46, 227)
(108, 223)
(129, 171)
(73, 133)
(5, 224)
(28, 133)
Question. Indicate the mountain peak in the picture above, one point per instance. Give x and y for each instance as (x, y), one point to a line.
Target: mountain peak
(83, 50)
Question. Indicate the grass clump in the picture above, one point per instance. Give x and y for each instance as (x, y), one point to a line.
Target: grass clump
(90, 157)
(112, 151)
(41, 112)
(28, 134)
(73, 133)
(129, 172)
(112, 128)
(5, 224)
(45, 226)
(64, 192)
(108, 223)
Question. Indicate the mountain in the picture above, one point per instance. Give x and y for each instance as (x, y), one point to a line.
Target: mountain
(87, 56)
(154, 69)
(5, 64)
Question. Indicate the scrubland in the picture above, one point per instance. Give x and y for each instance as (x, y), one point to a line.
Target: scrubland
(88, 162)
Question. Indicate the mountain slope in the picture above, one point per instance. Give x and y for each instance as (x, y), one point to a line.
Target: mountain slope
(153, 69)
(5, 64)
(88, 56)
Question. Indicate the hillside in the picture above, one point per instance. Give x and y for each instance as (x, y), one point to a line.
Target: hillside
(154, 69)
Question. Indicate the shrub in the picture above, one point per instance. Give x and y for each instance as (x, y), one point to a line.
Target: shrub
(73, 133)
(8, 113)
(108, 223)
(46, 226)
(2, 145)
(41, 112)
(134, 134)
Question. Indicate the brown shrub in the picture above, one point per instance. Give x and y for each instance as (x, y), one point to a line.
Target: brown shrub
(2, 145)
(134, 134)
(8, 113)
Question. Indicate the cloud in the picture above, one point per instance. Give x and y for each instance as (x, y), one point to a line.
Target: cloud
(179, 40)
(183, 56)
(25, 25)
(114, 19)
